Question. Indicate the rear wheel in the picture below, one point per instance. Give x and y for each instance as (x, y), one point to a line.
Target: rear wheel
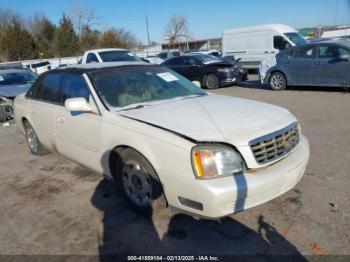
(140, 183)
(278, 81)
(34, 144)
(211, 81)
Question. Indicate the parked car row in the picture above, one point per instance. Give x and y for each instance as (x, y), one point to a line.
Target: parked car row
(210, 71)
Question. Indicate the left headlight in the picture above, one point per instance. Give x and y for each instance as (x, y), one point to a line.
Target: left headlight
(210, 161)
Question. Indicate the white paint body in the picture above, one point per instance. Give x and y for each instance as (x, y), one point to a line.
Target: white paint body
(253, 44)
(89, 138)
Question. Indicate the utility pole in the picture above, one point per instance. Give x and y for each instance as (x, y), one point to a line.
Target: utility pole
(149, 43)
(336, 12)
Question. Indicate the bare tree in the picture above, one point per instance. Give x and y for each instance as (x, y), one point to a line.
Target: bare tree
(128, 39)
(176, 29)
(7, 16)
(82, 17)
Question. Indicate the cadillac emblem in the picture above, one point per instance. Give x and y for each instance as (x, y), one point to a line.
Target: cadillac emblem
(286, 145)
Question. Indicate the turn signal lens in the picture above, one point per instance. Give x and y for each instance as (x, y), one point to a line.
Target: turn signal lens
(213, 161)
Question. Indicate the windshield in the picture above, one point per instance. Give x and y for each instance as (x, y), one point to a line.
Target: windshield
(116, 56)
(16, 78)
(120, 87)
(296, 38)
(208, 59)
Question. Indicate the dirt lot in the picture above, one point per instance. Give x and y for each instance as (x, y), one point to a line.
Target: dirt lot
(52, 206)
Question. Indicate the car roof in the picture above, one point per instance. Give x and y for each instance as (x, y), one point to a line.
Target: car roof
(338, 41)
(330, 41)
(83, 68)
(107, 50)
(281, 28)
(14, 70)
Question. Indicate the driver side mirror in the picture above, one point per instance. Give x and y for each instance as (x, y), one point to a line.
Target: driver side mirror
(196, 83)
(78, 104)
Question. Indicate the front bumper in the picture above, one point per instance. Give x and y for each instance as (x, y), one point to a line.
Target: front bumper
(244, 74)
(230, 77)
(227, 195)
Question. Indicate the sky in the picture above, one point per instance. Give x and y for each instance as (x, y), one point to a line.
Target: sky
(206, 18)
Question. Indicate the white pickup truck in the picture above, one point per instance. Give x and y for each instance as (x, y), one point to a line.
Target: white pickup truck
(108, 55)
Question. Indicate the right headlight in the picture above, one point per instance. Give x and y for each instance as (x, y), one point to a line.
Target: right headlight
(211, 161)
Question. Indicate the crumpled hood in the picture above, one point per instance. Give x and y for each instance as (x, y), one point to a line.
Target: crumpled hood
(14, 90)
(215, 118)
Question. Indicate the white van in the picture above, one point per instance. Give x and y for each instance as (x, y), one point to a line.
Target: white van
(253, 44)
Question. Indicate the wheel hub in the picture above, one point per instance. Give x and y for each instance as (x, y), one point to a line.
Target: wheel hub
(137, 184)
(277, 81)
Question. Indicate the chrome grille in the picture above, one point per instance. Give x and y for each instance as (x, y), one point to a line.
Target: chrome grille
(275, 145)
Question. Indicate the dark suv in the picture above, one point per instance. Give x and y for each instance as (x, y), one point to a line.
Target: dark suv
(212, 72)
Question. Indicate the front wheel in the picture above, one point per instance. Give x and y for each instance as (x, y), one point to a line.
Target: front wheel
(211, 81)
(140, 183)
(278, 81)
(36, 148)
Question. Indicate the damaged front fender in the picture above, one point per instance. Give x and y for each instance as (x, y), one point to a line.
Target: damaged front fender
(6, 109)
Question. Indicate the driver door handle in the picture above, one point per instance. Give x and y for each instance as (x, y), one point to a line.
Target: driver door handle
(60, 120)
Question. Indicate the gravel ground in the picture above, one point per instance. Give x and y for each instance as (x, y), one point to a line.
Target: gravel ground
(50, 205)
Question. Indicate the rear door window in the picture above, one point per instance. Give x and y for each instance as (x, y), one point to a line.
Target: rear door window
(50, 88)
(191, 61)
(332, 52)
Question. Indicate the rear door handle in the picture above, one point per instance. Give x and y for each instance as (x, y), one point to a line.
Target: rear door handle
(317, 63)
(266, 52)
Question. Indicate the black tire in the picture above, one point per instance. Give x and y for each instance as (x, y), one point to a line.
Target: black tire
(211, 81)
(34, 144)
(139, 182)
(278, 81)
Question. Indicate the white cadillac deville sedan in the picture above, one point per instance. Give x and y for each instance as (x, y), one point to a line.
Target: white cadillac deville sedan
(163, 139)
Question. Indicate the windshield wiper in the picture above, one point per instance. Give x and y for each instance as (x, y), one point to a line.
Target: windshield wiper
(193, 96)
(133, 107)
